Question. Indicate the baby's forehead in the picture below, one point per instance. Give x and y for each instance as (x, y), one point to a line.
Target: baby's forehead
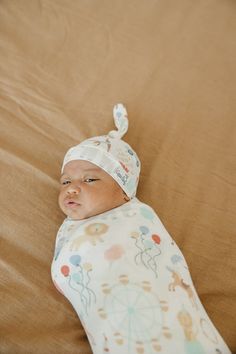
(81, 166)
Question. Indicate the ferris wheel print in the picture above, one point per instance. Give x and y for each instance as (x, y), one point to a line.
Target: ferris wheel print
(135, 315)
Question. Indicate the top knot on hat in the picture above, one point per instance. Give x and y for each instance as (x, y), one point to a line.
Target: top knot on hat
(121, 121)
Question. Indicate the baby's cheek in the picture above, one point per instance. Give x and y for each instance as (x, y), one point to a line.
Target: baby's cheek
(59, 200)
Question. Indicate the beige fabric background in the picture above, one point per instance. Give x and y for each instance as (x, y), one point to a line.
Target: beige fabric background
(63, 66)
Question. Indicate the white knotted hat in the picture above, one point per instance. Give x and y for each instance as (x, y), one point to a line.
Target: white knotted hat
(112, 154)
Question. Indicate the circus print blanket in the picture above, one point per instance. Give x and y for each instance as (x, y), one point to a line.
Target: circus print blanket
(130, 285)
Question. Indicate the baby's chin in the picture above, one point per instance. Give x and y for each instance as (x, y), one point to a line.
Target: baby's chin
(77, 215)
(79, 212)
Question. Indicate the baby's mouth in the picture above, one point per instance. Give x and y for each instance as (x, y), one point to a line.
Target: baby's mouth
(71, 203)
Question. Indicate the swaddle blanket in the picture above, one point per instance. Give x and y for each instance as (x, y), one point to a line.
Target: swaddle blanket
(130, 285)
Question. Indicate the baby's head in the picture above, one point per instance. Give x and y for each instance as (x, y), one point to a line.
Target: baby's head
(100, 173)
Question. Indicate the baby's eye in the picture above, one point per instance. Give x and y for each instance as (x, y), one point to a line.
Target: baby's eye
(65, 182)
(89, 180)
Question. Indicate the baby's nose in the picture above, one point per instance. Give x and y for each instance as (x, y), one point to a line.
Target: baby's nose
(73, 188)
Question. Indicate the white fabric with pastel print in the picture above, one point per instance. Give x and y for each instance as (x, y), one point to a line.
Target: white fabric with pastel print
(130, 285)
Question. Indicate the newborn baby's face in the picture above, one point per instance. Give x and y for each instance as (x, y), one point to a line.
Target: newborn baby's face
(87, 190)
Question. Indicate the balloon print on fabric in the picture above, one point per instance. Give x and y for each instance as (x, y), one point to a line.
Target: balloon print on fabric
(176, 258)
(79, 279)
(114, 253)
(148, 246)
(178, 261)
(147, 213)
(65, 270)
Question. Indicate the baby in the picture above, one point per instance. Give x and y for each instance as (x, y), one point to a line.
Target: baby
(116, 263)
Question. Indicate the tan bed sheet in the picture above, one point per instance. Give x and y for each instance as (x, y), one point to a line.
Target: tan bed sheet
(63, 66)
